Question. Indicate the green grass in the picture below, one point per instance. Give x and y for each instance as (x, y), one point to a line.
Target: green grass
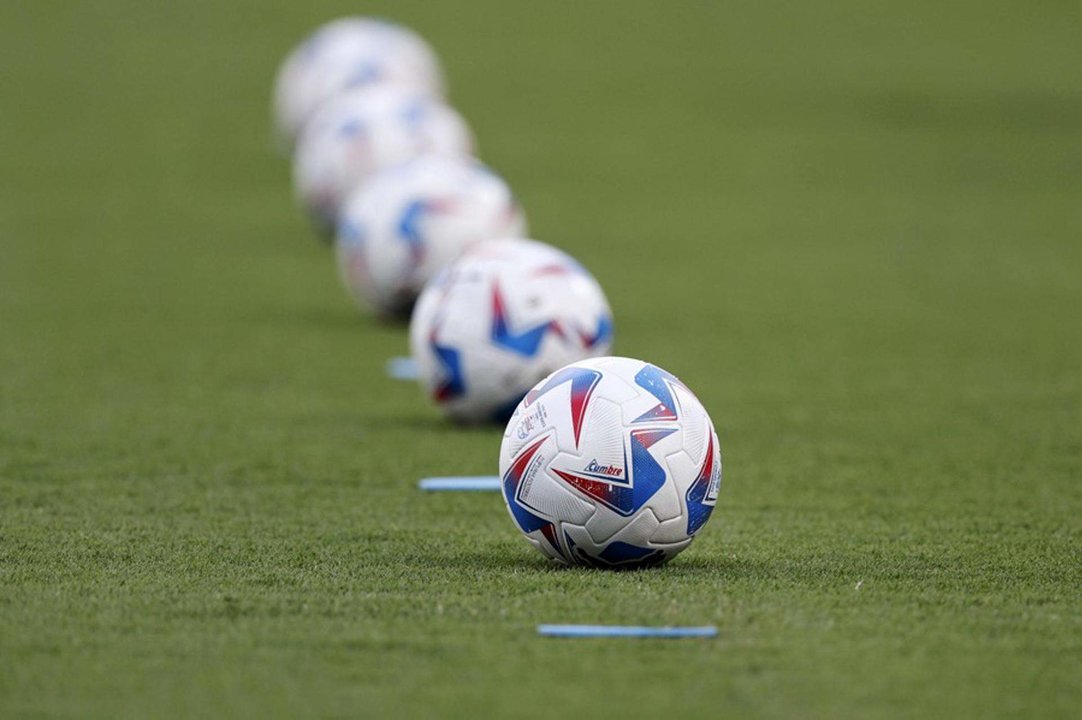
(853, 229)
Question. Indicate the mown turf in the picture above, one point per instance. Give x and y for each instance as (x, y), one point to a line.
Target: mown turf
(854, 229)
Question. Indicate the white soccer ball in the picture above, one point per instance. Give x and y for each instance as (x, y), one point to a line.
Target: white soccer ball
(348, 53)
(610, 462)
(363, 131)
(499, 319)
(406, 223)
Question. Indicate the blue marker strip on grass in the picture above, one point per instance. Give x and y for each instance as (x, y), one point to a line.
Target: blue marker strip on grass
(480, 483)
(637, 631)
(402, 368)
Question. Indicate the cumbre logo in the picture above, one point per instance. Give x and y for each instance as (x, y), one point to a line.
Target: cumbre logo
(609, 470)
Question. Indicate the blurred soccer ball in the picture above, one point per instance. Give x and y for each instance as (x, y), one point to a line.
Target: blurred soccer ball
(363, 131)
(610, 462)
(406, 223)
(499, 319)
(347, 53)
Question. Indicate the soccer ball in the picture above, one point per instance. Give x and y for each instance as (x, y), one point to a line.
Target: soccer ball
(610, 462)
(500, 318)
(347, 53)
(363, 131)
(406, 223)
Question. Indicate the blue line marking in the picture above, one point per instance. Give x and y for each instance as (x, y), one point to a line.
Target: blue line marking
(585, 631)
(402, 368)
(479, 483)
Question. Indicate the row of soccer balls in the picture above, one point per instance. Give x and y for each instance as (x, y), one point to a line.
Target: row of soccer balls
(606, 461)
(385, 166)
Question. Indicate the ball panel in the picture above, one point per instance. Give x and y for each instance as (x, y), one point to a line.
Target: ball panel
(527, 423)
(702, 495)
(695, 424)
(667, 503)
(546, 497)
(637, 531)
(605, 455)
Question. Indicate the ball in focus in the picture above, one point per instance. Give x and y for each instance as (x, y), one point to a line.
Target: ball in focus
(348, 53)
(363, 131)
(406, 223)
(500, 318)
(610, 462)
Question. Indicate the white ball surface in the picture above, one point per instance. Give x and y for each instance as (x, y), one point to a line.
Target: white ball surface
(364, 131)
(408, 222)
(348, 53)
(610, 462)
(500, 318)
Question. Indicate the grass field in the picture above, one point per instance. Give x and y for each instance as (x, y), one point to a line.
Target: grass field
(854, 229)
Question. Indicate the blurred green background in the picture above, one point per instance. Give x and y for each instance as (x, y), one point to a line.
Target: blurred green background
(853, 228)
